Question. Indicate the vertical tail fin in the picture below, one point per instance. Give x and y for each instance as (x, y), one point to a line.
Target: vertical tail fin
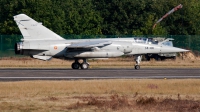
(32, 30)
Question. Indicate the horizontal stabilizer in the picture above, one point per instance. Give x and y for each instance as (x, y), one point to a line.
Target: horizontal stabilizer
(90, 44)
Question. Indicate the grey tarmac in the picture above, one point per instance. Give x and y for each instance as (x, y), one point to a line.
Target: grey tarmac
(69, 74)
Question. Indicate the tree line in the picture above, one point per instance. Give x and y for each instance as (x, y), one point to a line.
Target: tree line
(104, 17)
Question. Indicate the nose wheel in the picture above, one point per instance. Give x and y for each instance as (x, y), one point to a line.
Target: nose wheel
(137, 67)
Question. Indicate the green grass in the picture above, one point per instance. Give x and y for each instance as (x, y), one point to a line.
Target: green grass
(97, 95)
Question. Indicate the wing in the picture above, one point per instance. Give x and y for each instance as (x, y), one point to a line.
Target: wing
(90, 44)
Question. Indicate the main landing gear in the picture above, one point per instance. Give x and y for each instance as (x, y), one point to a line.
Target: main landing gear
(137, 60)
(83, 65)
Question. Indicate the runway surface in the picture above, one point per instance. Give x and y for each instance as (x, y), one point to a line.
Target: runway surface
(69, 74)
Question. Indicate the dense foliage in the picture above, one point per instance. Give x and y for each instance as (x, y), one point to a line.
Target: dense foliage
(104, 17)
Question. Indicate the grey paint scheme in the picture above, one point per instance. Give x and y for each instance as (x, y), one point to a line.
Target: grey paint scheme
(41, 43)
(117, 47)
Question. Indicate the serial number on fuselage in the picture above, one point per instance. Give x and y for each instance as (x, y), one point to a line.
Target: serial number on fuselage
(149, 47)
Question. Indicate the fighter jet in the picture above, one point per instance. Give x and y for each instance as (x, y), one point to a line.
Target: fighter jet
(41, 43)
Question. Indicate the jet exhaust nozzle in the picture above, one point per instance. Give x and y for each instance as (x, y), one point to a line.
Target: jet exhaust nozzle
(19, 48)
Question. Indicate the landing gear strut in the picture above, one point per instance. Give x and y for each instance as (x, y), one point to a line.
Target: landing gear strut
(138, 60)
(83, 65)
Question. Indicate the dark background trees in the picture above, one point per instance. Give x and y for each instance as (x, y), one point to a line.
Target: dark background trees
(104, 17)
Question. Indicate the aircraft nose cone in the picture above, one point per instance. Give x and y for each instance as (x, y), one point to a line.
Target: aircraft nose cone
(167, 49)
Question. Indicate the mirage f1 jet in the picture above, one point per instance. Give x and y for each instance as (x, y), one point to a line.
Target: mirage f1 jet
(41, 43)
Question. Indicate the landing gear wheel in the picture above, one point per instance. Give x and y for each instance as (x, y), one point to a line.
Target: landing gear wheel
(75, 66)
(84, 66)
(137, 67)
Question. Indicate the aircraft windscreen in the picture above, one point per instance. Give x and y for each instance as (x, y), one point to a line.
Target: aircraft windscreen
(168, 43)
(140, 40)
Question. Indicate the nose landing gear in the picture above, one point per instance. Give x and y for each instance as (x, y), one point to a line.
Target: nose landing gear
(138, 60)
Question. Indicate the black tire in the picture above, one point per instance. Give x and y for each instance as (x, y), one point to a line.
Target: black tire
(75, 65)
(137, 67)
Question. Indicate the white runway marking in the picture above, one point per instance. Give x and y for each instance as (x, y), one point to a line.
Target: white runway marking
(145, 77)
